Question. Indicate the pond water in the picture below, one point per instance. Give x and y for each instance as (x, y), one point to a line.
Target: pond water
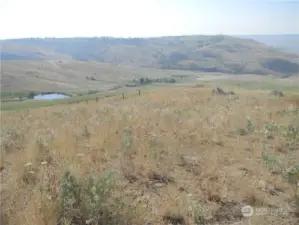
(50, 96)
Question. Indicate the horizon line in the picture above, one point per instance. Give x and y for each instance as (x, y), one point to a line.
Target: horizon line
(147, 37)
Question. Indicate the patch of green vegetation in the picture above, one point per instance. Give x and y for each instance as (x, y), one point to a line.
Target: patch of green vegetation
(15, 96)
(146, 81)
(248, 129)
(90, 92)
(126, 140)
(92, 201)
(20, 96)
(28, 104)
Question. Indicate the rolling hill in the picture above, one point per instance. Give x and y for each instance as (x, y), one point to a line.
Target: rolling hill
(203, 53)
(288, 42)
(75, 76)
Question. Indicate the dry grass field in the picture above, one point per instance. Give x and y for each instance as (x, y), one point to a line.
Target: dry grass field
(173, 156)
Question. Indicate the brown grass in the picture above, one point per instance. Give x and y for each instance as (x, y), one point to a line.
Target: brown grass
(179, 156)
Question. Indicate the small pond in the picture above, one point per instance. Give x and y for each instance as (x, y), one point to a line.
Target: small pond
(50, 96)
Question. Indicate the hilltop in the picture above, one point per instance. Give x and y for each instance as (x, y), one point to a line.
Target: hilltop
(218, 53)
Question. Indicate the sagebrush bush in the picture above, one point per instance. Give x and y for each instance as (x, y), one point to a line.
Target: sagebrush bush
(92, 201)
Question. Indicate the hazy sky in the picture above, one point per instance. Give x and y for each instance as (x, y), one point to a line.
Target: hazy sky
(137, 18)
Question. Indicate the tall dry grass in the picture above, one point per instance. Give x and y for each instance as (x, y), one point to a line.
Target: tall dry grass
(177, 155)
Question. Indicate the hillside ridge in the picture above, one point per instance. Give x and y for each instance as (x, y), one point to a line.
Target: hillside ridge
(205, 53)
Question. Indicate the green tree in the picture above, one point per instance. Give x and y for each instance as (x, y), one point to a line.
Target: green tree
(147, 81)
(31, 95)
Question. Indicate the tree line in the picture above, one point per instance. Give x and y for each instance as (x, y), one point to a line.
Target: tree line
(145, 81)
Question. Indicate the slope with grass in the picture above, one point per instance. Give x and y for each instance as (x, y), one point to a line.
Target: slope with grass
(75, 76)
(288, 42)
(174, 156)
(205, 53)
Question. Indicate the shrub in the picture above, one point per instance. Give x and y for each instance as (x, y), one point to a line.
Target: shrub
(248, 130)
(31, 95)
(293, 179)
(126, 140)
(270, 129)
(91, 202)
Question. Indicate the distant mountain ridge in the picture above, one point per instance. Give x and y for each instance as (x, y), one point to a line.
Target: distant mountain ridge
(207, 53)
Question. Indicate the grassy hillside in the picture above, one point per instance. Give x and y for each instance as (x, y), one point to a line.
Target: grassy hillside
(200, 53)
(251, 82)
(75, 76)
(283, 42)
(174, 156)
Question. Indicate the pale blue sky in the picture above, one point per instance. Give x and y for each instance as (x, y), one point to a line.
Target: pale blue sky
(139, 18)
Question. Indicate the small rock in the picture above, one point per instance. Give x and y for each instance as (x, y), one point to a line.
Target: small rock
(191, 160)
(89, 221)
(159, 185)
(273, 192)
(28, 164)
(276, 93)
(262, 185)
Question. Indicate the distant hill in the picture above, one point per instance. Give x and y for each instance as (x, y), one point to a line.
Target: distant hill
(289, 42)
(204, 53)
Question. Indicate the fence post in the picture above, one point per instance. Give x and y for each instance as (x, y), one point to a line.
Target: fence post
(139, 92)
(123, 95)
